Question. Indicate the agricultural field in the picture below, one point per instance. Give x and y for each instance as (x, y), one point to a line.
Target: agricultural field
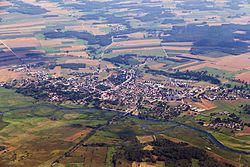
(124, 83)
(37, 129)
(29, 128)
(221, 110)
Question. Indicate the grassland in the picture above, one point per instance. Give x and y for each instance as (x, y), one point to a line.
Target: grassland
(28, 128)
(231, 107)
(222, 73)
(225, 136)
(36, 132)
(31, 127)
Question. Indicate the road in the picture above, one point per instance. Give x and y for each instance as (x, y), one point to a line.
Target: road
(18, 57)
(84, 139)
(112, 38)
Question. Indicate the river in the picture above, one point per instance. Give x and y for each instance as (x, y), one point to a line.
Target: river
(210, 137)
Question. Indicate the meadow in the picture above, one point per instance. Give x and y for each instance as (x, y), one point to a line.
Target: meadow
(161, 35)
(29, 127)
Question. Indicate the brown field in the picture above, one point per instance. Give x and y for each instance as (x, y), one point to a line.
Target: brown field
(241, 20)
(156, 66)
(243, 62)
(142, 164)
(145, 139)
(5, 3)
(204, 104)
(245, 132)
(6, 75)
(244, 77)
(84, 61)
(22, 42)
(136, 49)
(178, 48)
(8, 149)
(178, 44)
(185, 65)
(28, 24)
(225, 63)
(131, 43)
(78, 135)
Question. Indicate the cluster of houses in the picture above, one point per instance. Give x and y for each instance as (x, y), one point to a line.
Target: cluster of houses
(230, 125)
(123, 90)
(224, 119)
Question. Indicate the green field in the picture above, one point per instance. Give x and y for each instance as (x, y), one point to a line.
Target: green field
(28, 126)
(42, 133)
(222, 73)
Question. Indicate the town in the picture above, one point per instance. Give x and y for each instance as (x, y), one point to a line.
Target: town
(125, 90)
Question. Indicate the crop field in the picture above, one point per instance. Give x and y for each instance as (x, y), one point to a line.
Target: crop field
(28, 137)
(239, 143)
(30, 36)
(245, 132)
(204, 104)
(89, 156)
(100, 39)
(78, 135)
(6, 75)
(239, 140)
(184, 67)
(227, 63)
(29, 128)
(134, 43)
(143, 51)
(228, 106)
(145, 139)
(224, 67)
(244, 77)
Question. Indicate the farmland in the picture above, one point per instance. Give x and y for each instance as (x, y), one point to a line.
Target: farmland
(40, 131)
(124, 83)
(40, 126)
